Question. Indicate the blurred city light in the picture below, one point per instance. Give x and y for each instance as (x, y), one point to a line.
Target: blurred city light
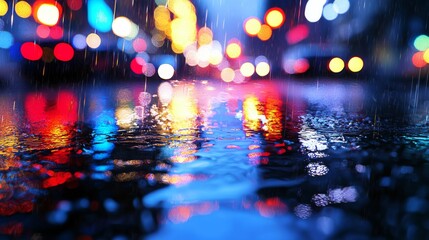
(341, 6)
(43, 31)
(426, 55)
(247, 69)
(63, 52)
(314, 10)
(329, 12)
(301, 66)
(6, 39)
(93, 40)
(74, 5)
(165, 71)
(100, 15)
(265, 32)
(79, 41)
(252, 26)
(31, 51)
(275, 17)
(227, 74)
(418, 60)
(262, 69)
(355, 64)
(421, 42)
(233, 50)
(297, 34)
(124, 28)
(3, 7)
(23, 9)
(336, 65)
(47, 13)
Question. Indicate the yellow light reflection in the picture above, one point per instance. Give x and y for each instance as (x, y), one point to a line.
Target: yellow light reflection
(124, 117)
(183, 110)
(273, 113)
(23, 9)
(177, 179)
(124, 113)
(251, 113)
(8, 137)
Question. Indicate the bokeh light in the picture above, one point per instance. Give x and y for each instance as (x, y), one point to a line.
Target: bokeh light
(3, 8)
(233, 50)
(63, 52)
(297, 34)
(341, 6)
(162, 18)
(139, 45)
(79, 41)
(355, 64)
(227, 74)
(124, 28)
(74, 5)
(56, 32)
(31, 51)
(421, 42)
(313, 10)
(23, 9)
(165, 71)
(6, 39)
(247, 69)
(301, 66)
(265, 32)
(100, 15)
(252, 26)
(205, 36)
(275, 17)
(426, 56)
(329, 12)
(183, 33)
(336, 65)
(418, 60)
(136, 67)
(238, 77)
(47, 12)
(262, 69)
(43, 31)
(150, 70)
(93, 40)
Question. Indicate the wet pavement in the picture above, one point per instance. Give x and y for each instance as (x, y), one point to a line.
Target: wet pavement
(269, 159)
